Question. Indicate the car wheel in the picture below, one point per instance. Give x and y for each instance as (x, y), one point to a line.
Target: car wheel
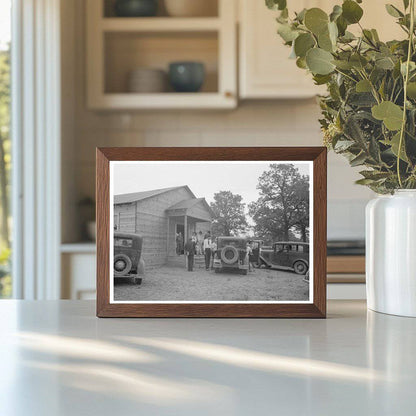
(300, 267)
(229, 255)
(122, 265)
(137, 280)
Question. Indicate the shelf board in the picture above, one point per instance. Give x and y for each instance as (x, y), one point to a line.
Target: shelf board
(159, 24)
(164, 101)
(80, 247)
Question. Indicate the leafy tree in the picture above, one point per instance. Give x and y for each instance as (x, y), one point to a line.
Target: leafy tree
(4, 142)
(229, 218)
(283, 206)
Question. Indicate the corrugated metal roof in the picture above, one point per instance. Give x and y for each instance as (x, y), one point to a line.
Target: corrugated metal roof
(138, 196)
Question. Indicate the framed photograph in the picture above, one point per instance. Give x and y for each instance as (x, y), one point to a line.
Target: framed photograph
(211, 232)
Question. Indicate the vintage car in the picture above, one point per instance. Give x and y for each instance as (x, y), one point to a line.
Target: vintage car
(231, 254)
(292, 255)
(127, 256)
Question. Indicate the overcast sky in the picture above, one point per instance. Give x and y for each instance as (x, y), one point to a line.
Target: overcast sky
(204, 179)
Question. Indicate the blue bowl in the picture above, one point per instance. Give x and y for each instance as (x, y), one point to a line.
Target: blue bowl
(186, 76)
(136, 8)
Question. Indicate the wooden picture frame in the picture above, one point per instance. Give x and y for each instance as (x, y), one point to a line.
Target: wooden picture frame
(314, 308)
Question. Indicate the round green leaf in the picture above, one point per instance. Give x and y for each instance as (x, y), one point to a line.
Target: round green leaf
(319, 61)
(301, 63)
(363, 86)
(303, 43)
(276, 4)
(351, 11)
(316, 20)
(391, 114)
(286, 32)
(336, 12)
(411, 90)
(324, 42)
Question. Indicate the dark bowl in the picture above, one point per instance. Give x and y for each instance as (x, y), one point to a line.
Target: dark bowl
(135, 8)
(186, 76)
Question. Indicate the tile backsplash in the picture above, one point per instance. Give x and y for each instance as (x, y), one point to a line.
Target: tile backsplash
(287, 123)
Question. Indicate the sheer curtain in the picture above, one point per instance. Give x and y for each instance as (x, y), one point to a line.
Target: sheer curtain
(36, 148)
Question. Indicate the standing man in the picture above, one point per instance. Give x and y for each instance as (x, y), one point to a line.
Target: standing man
(213, 251)
(207, 250)
(190, 252)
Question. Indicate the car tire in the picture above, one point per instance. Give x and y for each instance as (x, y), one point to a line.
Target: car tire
(137, 280)
(300, 267)
(229, 260)
(122, 265)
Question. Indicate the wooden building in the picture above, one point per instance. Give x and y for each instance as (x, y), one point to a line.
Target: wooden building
(158, 215)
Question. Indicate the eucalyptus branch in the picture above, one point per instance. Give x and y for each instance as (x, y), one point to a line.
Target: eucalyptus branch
(406, 80)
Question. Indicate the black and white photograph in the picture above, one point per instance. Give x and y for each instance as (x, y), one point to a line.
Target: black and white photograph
(211, 231)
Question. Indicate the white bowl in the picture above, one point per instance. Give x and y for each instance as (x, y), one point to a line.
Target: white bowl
(191, 8)
(145, 80)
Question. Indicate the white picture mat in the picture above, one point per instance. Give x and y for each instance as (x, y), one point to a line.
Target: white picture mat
(307, 164)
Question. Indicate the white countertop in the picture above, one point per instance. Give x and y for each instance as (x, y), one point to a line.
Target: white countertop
(58, 359)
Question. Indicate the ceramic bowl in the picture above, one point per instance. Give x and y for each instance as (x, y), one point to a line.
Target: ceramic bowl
(135, 8)
(147, 80)
(186, 76)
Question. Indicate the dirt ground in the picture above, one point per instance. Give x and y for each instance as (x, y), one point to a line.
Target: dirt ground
(170, 283)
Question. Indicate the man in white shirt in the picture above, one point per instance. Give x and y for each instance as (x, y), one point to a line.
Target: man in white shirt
(213, 251)
(207, 249)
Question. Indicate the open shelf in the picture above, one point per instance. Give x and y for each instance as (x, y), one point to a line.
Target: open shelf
(127, 51)
(116, 46)
(108, 9)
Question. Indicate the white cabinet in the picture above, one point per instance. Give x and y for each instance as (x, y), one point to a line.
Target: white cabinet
(78, 271)
(117, 45)
(265, 68)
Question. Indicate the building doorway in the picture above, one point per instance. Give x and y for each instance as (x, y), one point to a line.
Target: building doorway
(180, 239)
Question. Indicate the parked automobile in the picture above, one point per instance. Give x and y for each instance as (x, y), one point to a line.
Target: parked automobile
(231, 254)
(291, 255)
(127, 256)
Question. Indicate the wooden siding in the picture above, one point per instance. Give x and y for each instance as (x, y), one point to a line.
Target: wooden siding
(148, 218)
(127, 217)
(152, 224)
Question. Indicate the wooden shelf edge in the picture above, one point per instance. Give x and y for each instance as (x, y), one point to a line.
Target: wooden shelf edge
(159, 24)
(346, 264)
(132, 101)
(81, 247)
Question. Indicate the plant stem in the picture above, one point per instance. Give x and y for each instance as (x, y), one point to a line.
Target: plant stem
(406, 80)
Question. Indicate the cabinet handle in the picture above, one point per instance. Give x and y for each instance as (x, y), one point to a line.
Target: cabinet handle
(228, 94)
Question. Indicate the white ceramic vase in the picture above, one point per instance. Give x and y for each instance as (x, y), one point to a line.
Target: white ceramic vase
(391, 253)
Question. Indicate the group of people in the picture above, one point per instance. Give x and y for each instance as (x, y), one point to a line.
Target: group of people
(207, 247)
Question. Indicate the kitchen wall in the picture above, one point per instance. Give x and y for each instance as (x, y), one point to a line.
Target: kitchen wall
(255, 123)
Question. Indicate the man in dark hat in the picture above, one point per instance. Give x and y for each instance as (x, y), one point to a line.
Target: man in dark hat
(190, 252)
